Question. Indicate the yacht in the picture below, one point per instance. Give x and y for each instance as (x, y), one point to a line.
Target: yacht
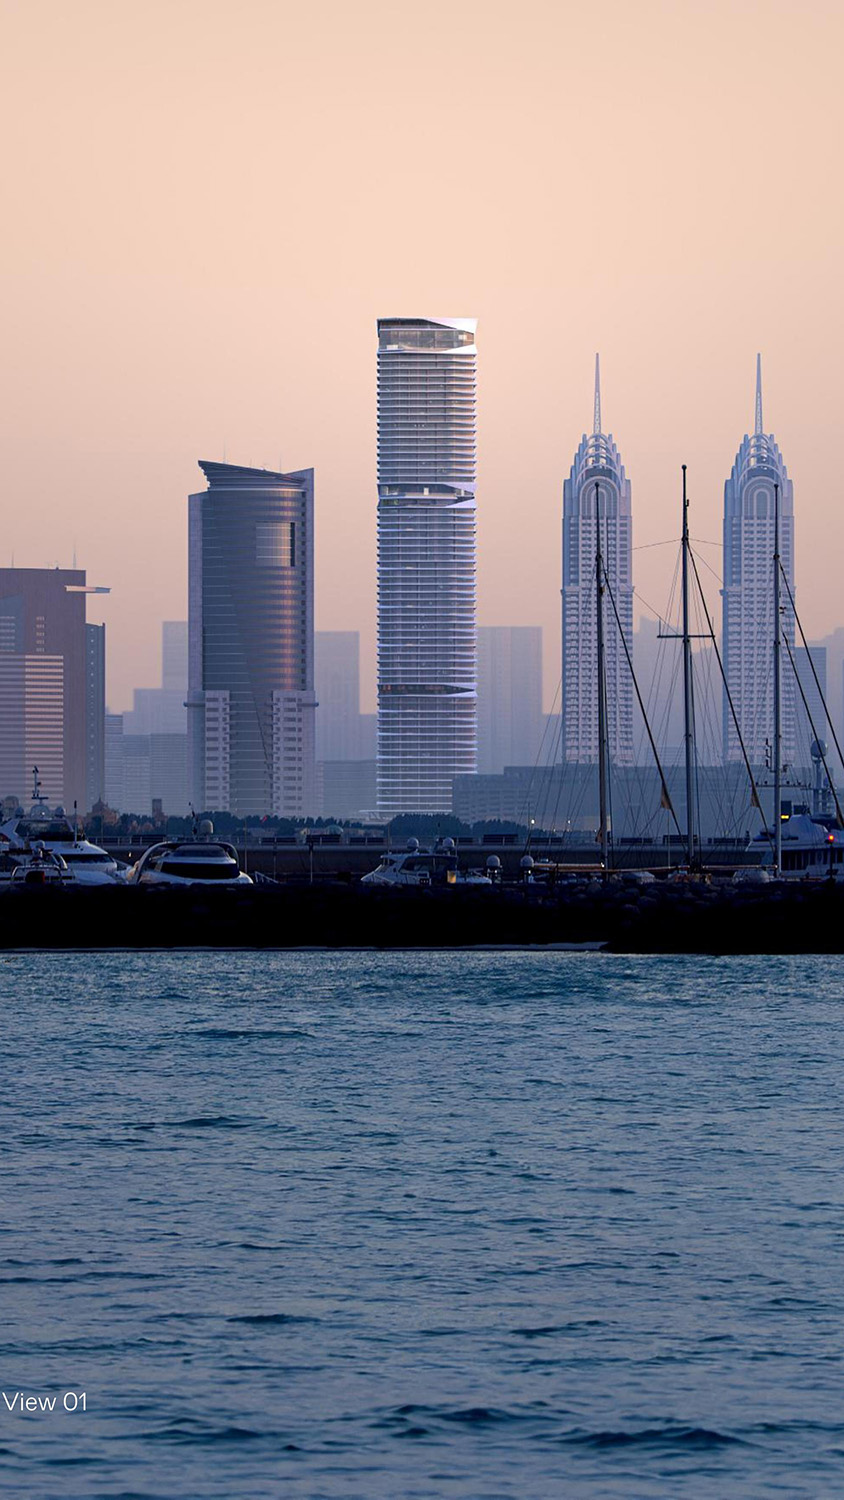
(201, 860)
(415, 866)
(812, 847)
(86, 863)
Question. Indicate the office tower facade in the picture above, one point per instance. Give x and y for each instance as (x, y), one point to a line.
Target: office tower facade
(748, 594)
(597, 497)
(251, 701)
(43, 666)
(337, 677)
(94, 715)
(510, 723)
(427, 644)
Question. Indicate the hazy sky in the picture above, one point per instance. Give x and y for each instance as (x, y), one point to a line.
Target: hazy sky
(207, 204)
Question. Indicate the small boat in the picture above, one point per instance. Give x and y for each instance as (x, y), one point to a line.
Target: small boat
(202, 860)
(415, 866)
(37, 866)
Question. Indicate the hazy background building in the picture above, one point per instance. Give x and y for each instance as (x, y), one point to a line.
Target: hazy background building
(345, 737)
(510, 721)
(597, 491)
(810, 667)
(427, 707)
(337, 677)
(251, 701)
(748, 593)
(146, 748)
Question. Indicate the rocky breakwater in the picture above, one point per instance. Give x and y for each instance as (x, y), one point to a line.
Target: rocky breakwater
(692, 917)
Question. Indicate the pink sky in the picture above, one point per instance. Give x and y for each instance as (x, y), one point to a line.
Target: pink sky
(208, 204)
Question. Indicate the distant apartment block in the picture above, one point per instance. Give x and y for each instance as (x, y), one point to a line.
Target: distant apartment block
(251, 700)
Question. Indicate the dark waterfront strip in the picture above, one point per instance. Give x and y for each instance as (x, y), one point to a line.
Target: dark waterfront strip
(692, 918)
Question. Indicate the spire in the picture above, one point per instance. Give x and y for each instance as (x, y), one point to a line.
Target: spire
(596, 424)
(759, 427)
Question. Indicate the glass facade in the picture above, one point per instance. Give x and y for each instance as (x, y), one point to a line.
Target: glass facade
(250, 634)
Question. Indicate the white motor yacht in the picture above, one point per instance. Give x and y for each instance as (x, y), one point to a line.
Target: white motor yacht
(812, 848)
(424, 867)
(202, 860)
(87, 863)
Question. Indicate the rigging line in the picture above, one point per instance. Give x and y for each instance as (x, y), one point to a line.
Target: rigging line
(701, 541)
(539, 754)
(649, 607)
(669, 805)
(729, 698)
(815, 736)
(644, 546)
(717, 576)
(812, 665)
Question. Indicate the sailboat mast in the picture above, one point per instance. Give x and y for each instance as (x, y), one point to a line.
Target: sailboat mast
(777, 689)
(602, 689)
(688, 700)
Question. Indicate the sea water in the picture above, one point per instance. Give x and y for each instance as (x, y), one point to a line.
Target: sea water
(419, 1225)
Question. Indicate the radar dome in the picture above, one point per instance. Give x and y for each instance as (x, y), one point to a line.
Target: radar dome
(819, 749)
(413, 844)
(206, 828)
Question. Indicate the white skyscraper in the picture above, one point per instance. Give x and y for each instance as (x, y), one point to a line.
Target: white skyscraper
(596, 492)
(427, 646)
(748, 593)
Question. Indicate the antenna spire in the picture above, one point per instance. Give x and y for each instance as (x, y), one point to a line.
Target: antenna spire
(596, 424)
(759, 426)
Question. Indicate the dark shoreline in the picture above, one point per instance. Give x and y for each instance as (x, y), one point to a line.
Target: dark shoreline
(693, 918)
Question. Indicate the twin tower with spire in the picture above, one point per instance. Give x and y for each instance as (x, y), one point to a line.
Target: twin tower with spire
(597, 495)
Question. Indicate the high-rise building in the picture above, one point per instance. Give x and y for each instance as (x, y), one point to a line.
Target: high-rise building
(337, 676)
(510, 723)
(43, 693)
(597, 494)
(94, 715)
(251, 699)
(748, 593)
(427, 646)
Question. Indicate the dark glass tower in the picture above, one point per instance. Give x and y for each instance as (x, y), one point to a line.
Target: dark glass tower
(251, 633)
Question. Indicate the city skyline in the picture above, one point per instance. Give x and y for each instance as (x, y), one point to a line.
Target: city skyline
(143, 325)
